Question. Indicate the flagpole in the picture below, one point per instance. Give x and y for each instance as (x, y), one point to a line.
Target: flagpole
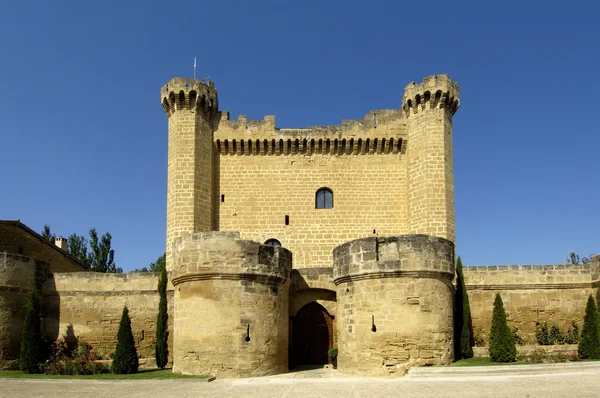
(194, 68)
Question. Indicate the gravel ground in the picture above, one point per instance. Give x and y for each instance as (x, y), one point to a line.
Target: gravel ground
(572, 381)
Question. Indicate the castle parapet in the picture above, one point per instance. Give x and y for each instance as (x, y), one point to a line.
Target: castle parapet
(181, 93)
(434, 92)
(394, 303)
(231, 306)
(380, 132)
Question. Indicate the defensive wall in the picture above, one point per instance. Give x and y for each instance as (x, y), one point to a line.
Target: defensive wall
(531, 294)
(19, 276)
(89, 306)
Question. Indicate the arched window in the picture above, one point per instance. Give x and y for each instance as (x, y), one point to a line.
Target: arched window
(324, 199)
(273, 242)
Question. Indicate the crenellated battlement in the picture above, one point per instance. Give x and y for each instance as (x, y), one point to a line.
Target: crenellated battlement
(308, 147)
(380, 132)
(434, 92)
(194, 95)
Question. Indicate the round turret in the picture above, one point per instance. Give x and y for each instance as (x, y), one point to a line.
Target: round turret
(231, 306)
(394, 297)
(434, 92)
(181, 93)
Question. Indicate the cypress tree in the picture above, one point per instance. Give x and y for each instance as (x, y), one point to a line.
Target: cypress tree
(31, 339)
(589, 344)
(162, 352)
(502, 341)
(463, 330)
(125, 360)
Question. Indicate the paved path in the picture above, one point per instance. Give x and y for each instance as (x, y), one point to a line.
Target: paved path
(568, 380)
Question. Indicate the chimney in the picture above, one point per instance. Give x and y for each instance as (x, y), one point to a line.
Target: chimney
(61, 243)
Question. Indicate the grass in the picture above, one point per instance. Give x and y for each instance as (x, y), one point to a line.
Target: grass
(146, 374)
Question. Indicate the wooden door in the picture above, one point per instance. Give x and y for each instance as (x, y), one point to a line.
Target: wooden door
(313, 335)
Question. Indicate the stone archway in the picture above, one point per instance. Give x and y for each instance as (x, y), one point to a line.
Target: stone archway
(312, 334)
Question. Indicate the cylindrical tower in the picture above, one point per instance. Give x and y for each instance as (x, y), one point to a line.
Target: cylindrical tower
(429, 108)
(190, 106)
(231, 306)
(394, 298)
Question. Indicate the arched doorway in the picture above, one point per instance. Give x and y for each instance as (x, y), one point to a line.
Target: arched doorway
(313, 335)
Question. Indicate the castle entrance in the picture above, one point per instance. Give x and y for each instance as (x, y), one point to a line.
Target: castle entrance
(312, 335)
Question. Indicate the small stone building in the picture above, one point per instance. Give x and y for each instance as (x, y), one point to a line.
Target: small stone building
(283, 243)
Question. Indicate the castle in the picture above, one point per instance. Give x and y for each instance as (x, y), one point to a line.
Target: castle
(283, 243)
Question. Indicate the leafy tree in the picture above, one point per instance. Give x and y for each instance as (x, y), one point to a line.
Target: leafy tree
(31, 340)
(573, 258)
(463, 327)
(502, 341)
(162, 352)
(47, 234)
(77, 247)
(157, 266)
(589, 344)
(125, 359)
(102, 256)
(160, 264)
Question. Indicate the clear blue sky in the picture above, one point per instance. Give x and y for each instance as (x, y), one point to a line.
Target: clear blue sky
(84, 138)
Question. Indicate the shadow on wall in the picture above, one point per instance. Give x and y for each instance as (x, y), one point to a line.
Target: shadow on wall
(50, 307)
(70, 338)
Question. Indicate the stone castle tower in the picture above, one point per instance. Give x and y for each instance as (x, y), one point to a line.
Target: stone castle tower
(270, 230)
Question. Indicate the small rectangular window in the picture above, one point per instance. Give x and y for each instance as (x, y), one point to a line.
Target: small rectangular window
(222, 198)
(287, 220)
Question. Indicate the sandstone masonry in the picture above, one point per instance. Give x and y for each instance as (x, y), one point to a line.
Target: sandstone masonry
(283, 243)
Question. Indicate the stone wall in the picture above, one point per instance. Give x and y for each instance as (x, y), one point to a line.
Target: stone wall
(231, 306)
(89, 305)
(260, 191)
(19, 276)
(264, 178)
(531, 294)
(394, 299)
(528, 350)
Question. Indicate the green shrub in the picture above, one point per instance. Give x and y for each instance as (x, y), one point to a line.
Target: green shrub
(82, 361)
(572, 336)
(31, 339)
(589, 344)
(542, 334)
(556, 335)
(125, 359)
(161, 350)
(502, 341)
(463, 329)
(333, 353)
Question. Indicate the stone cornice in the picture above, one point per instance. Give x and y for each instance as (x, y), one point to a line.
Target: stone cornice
(535, 286)
(265, 279)
(394, 274)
